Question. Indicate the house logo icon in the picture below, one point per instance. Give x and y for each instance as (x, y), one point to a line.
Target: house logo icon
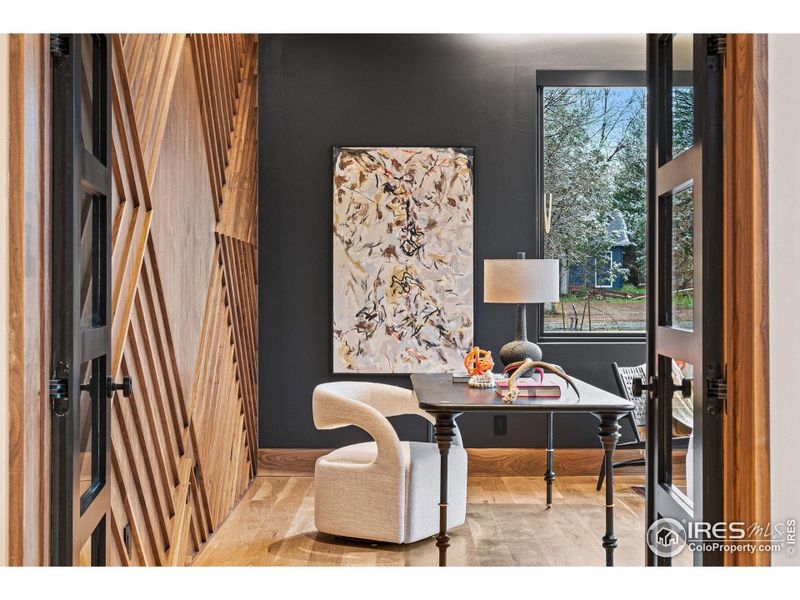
(666, 538)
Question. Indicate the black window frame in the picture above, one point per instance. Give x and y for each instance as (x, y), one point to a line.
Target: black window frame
(573, 78)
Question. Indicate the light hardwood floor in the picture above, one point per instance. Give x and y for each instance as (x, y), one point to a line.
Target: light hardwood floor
(507, 524)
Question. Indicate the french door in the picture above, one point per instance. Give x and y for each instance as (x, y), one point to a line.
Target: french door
(685, 374)
(80, 388)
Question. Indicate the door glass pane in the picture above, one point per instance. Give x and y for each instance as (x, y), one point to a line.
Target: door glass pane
(92, 417)
(682, 93)
(85, 441)
(87, 92)
(91, 219)
(93, 552)
(681, 457)
(682, 243)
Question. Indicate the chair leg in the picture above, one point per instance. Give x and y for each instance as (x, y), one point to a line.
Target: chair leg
(602, 475)
(625, 463)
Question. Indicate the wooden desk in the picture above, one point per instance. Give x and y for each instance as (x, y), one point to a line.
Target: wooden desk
(445, 400)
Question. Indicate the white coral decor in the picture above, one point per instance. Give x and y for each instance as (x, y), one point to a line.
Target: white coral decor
(484, 380)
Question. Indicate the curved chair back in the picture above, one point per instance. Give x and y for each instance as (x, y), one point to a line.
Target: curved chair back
(388, 400)
(345, 403)
(366, 405)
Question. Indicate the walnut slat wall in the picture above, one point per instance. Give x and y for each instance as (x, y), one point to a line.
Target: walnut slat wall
(184, 311)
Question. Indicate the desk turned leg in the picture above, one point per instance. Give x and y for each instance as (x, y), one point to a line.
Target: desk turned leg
(443, 434)
(609, 434)
(549, 474)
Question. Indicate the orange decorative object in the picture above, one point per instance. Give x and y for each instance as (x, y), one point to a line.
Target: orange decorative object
(478, 362)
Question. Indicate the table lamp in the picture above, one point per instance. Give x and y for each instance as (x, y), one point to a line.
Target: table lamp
(520, 281)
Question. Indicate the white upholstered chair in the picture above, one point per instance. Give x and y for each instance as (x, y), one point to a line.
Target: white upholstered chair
(385, 490)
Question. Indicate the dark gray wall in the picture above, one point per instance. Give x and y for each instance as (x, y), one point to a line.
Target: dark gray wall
(316, 92)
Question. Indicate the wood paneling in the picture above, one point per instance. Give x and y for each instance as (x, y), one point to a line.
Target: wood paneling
(4, 262)
(29, 298)
(483, 462)
(746, 418)
(184, 268)
(184, 285)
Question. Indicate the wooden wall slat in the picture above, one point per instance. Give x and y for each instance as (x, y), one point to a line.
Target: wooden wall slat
(184, 445)
(181, 457)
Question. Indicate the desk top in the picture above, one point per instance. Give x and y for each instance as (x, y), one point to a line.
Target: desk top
(437, 392)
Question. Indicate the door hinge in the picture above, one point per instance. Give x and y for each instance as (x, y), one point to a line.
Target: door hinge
(716, 394)
(59, 388)
(59, 399)
(59, 45)
(717, 48)
(717, 44)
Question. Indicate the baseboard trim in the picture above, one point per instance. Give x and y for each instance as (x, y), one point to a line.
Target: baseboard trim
(483, 462)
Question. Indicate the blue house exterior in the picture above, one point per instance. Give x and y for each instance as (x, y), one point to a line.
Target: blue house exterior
(599, 272)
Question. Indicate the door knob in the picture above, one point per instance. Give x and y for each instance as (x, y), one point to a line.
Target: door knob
(126, 387)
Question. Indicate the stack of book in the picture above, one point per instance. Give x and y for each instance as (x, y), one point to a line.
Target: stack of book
(530, 387)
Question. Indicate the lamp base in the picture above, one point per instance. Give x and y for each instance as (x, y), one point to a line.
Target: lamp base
(519, 350)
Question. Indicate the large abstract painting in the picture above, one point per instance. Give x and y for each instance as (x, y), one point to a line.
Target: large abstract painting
(402, 259)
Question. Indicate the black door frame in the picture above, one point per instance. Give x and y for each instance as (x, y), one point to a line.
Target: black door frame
(702, 165)
(81, 195)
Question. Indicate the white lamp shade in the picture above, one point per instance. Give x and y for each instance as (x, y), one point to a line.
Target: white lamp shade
(520, 281)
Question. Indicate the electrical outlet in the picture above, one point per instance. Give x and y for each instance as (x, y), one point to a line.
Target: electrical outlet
(500, 425)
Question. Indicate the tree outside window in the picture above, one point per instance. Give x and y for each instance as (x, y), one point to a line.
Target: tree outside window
(595, 158)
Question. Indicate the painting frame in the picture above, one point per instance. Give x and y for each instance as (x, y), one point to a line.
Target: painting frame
(469, 151)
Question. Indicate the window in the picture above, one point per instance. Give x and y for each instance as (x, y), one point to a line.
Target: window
(593, 160)
(594, 195)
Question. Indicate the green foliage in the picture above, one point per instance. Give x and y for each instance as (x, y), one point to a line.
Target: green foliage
(682, 241)
(633, 290)
(682, 119)
(682, 202)
(684, 300)
(576, 170)
(595, 162)
(630, 191)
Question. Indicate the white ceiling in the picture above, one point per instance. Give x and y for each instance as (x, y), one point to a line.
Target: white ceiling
(569, 51)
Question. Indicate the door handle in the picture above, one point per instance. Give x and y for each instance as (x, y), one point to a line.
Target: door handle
(639, 386)
(126, 386)
(684, 387)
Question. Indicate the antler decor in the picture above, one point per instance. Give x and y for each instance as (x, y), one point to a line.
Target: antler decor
(523, 366)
